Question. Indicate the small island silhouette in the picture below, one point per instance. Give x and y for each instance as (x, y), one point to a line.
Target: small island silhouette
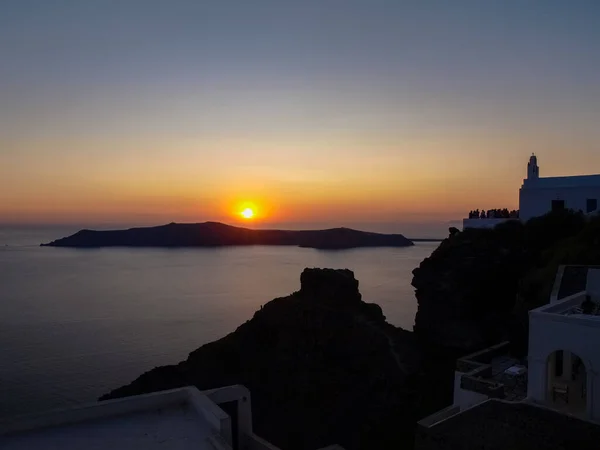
(215, 234)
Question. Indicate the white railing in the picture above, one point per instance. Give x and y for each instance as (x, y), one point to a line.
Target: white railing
(563, 305)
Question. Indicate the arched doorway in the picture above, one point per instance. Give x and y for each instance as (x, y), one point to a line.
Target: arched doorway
(566, 387)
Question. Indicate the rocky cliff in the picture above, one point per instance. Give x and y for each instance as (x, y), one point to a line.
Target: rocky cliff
(323, 367)
(476, 288)
(466, 289)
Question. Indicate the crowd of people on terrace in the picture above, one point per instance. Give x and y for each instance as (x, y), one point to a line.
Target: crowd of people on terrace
(494, 214)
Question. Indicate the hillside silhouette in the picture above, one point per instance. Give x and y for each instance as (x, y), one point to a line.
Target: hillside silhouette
(215, 234)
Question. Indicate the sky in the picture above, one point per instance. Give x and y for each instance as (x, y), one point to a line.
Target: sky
(382, 114)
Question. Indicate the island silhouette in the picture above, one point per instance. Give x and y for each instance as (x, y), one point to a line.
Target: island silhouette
(216, 234)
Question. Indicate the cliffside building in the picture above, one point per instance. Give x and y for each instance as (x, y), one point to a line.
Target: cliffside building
(556, 388)
(539, 196)
(177, 419)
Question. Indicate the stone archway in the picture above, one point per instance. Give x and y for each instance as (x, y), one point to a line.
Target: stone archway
(567, 382)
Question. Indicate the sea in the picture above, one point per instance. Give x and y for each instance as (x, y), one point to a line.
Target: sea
(77, 323)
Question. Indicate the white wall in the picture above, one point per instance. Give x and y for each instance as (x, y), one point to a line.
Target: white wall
(465, 398)
(537, 201)
(482, 223)
(576, 333)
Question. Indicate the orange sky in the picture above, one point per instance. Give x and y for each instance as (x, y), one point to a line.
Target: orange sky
(337, 181)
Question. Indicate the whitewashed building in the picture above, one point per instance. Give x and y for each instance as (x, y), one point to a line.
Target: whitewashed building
(564, 345)
(177, 419)
(539, 196)
(562, 369)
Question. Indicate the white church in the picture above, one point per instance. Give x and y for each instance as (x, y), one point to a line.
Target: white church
(539, 196)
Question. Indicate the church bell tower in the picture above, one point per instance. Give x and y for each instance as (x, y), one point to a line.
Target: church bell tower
(533, 170)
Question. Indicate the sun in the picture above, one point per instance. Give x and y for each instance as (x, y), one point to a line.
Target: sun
(247, 213)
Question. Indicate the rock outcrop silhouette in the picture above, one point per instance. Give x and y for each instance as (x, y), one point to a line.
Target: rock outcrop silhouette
(323, 368)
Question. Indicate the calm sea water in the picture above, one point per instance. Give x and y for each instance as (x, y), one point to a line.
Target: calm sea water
(75, 324)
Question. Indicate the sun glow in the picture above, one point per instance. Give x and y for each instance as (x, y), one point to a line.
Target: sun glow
(247, 213)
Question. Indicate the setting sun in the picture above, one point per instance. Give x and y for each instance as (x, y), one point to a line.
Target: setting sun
(247, 213)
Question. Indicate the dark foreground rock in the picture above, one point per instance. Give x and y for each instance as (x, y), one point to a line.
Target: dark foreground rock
(477, 287)
(466, 290)
(211, 234)
(323, 368)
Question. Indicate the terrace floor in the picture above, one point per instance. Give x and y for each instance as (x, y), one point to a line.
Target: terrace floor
(499, 425)
(515, 387)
